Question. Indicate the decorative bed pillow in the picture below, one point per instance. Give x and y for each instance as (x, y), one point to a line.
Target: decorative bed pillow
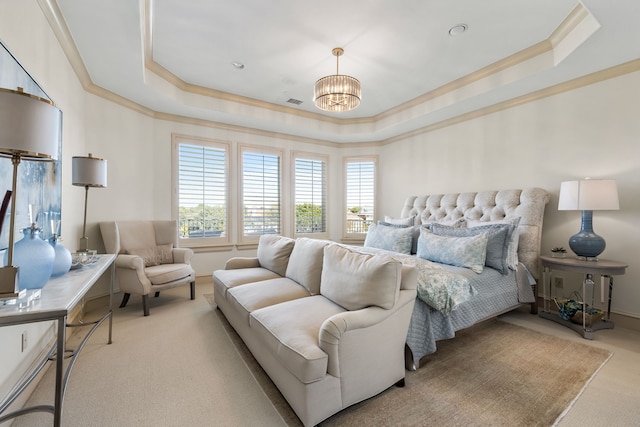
(498, 237)
(415, 233)
(390, 238)
(409, 221)
(161, 254)
(512, 257)
(460, 222)
(355, 280)
(469, 252)
(274, 252)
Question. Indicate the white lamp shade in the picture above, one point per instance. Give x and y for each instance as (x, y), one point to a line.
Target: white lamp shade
(89, 171)
(589, 195)
(29, 126)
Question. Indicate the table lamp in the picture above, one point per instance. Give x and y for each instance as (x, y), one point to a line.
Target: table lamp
(588, 195)
(88, 172)
(30, 130)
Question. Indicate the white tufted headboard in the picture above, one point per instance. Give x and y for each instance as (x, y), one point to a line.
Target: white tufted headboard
(528, 204)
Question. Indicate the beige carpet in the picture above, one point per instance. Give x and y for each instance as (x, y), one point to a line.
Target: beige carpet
(494, 374)
(175, 368)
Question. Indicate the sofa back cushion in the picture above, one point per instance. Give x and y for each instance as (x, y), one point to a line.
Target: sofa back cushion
(305, 263)
(274, 252)
(355, 280)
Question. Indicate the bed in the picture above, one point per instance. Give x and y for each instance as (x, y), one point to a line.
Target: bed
(455, 295)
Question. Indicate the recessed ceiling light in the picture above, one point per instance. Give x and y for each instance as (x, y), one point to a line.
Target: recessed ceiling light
(237, 65)
(456, 30)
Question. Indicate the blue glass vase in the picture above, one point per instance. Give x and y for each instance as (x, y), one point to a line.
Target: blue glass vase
(62, 261)
(35, 258)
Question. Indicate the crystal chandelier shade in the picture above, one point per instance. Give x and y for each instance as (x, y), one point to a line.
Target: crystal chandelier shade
(337, 93)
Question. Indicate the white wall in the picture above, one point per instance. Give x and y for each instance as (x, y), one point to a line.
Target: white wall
(593, 131)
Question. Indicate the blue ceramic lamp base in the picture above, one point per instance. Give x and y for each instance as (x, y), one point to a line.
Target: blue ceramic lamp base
(586, 243)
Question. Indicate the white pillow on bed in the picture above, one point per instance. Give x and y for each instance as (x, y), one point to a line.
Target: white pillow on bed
(408, 221)
(469, 252)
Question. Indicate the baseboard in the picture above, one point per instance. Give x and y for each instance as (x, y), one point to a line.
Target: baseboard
(620, 320)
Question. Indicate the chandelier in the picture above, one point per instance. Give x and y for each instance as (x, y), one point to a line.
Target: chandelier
(337, 93)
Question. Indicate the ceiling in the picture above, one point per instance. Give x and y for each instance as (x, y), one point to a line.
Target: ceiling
(175, 57)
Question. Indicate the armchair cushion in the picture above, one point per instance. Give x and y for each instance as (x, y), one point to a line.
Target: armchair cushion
(156, 255)
(166, 273)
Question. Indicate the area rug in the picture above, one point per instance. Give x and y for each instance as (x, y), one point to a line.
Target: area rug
(493, 374)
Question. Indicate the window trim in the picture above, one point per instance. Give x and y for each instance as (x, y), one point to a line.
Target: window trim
(357, 237)
(242, 148)
(315, 157)
(199, 244)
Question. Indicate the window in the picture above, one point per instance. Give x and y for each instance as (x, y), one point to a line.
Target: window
(201, 191)
(310, 195)
(360, 195)
(260, 193)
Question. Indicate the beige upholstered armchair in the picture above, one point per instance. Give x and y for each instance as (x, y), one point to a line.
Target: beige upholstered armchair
(147, 258)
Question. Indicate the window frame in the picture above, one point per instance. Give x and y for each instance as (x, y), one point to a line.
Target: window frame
(201, 243)
(245, 240)
(295, 155)
(346, 235)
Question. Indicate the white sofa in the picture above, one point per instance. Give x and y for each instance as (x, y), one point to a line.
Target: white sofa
(326, 323)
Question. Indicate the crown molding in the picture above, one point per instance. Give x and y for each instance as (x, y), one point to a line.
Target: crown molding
(573, 21)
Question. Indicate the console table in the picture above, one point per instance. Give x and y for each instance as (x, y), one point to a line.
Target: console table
(58, 297)
(603, 268)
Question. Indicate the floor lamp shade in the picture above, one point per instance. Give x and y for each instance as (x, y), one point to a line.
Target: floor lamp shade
(88, 172)
(30, 129)
(588, 195)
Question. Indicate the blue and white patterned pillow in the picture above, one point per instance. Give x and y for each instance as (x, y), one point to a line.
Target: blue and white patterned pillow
(469, 252)
(389, 238)
(498, 238)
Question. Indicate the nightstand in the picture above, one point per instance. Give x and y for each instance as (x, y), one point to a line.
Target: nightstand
(603, 268)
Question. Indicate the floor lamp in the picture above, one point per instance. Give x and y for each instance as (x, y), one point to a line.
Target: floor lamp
(29, 130)
(88, 172)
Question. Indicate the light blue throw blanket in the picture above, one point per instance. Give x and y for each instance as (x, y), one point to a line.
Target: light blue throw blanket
(441, 289)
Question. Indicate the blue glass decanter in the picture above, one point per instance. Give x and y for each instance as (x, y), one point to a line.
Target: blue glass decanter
(62, 261)
(34, 257)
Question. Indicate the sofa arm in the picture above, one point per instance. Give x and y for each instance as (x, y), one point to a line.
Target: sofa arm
(241, 262)
(182, 255)
(366, 334)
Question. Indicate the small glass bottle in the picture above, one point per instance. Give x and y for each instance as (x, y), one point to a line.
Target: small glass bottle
(62, 262)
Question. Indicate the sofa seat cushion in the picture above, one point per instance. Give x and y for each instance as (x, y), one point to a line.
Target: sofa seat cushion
(296, 347)
(232, 278)
(250, 297)
(167, 273)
